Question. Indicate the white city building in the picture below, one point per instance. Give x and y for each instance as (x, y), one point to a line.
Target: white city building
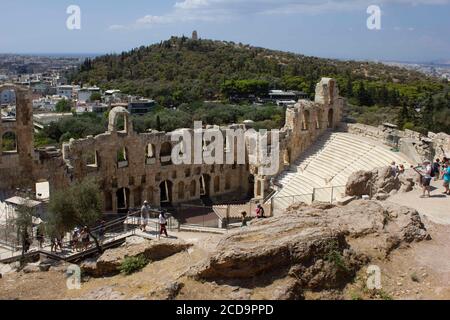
(65, 91)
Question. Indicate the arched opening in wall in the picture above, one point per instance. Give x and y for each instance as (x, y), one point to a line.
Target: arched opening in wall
(259, 188)
(330, 119)
(121, 122)
(251, 186)
(108, 201)
(91, 159)
(287, 157)
(318, 120)
(8, 99)
(122, 158)
(137, 197)
(9, 142)
(227, 181)
(216, 184)
(205, 182)
(193, 189)
(181, 190)
(166, 154)
(305, 120)
(150, 154)
(165, 189)
(123, 198)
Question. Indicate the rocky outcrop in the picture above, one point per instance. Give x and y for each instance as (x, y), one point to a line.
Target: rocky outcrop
(380, 183)
(312, 245)
(107, 264)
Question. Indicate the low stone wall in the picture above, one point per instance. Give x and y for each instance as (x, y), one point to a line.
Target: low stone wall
(414, 145)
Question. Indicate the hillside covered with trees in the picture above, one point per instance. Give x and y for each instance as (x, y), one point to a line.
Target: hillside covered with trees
(182, 71)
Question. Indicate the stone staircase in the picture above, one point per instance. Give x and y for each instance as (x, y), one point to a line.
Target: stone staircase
(322, 172)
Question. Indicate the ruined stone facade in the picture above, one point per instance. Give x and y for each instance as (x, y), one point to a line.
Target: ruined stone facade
(132, 167)
(417, 147)
(305, 123)
(17, 164)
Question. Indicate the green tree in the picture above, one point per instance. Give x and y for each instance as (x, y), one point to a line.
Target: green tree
(63, 105)
(24, 223)
(79, 205)
(96, 96)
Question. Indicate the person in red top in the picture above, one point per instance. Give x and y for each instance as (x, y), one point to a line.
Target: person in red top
(259, 212)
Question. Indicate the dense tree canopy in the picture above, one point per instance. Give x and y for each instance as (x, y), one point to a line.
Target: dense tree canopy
(181, 70)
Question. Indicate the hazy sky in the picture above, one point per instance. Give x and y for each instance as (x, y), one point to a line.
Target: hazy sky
(411, 30)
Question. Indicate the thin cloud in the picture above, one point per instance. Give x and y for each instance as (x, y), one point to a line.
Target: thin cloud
(223, 10)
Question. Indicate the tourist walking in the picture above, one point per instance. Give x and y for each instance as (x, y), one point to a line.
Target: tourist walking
(59, 242)
(53, 244)
(26, 242)
(437, 169)
(145, 215)
(259, 212)
(85, 238)
(394, 169)
(426, 173)
(446, 178)
(244, 219)
(75, 240)
(40, 237)
(163, 224)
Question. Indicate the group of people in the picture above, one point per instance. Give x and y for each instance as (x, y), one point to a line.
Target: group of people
(438, 170)
(145, 217)
(81, 239)
(259, 212)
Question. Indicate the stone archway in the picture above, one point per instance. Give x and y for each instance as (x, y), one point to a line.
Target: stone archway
(165, 189)
(9, 142)
(123, 200)
(205, 185)
(330, 120)
(306, 120)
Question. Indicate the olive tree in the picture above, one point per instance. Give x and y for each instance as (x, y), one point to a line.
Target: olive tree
(79, 205)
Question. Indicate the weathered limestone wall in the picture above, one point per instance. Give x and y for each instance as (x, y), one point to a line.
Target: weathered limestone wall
(414, 145)
(144, 173)
(134, 167)
(16, 167)
(305, 123)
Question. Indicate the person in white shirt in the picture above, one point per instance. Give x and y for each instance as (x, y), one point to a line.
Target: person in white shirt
(426, 178)
(145, 215)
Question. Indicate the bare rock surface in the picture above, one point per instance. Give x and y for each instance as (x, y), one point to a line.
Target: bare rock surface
(312, 246)
(380, 183)
(107, 264)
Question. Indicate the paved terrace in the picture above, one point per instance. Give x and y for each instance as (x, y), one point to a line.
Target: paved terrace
(436, 208)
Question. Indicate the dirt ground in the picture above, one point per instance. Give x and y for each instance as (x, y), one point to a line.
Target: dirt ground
(421, 271)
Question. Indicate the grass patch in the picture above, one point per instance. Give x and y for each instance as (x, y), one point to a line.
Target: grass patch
(131, 265)
(415, 277)
(334, 255)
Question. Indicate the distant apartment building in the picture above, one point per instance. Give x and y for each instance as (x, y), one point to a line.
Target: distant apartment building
(141, 106)
(7, 97)
(84, 94)
(65, 91)
(284, 98)
(95, 107)
(47, 103)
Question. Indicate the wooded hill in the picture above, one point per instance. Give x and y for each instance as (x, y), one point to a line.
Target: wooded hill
(182, 70)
